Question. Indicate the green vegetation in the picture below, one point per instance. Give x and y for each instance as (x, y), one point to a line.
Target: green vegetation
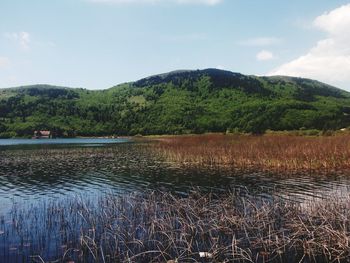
(176, 103)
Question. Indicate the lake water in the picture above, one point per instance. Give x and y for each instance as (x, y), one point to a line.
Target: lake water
(56, 168)
(61, 141)
(35, 171)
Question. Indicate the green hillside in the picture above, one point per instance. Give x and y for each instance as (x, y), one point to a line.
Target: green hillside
(178, 102)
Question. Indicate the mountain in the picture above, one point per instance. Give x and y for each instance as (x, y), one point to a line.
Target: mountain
(185, 101)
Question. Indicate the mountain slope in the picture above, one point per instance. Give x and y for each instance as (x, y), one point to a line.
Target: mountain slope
(176, 102)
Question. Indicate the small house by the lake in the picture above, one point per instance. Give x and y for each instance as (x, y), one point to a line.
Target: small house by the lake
(42, 135)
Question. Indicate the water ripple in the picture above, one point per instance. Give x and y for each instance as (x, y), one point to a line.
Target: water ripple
(37, 173)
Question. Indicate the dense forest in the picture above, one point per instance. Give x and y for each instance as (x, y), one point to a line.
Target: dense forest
(178, 102)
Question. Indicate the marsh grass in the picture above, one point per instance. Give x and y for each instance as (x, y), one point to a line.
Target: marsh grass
(271, 153)
(160, 227)
(200, 227)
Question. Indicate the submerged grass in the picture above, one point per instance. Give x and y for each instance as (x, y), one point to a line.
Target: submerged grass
(161, 227)
(272, 153)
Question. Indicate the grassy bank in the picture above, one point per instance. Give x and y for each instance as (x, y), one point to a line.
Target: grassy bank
(160, 227)
(277, 152)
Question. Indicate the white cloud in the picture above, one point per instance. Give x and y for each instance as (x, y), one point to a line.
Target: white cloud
(260, 41)
(220, 67)
(199, 2)
(4, 62)
(21, 38)
(329, 59)
(264, 55)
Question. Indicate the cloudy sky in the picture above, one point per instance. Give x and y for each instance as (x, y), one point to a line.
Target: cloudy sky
(96, 44)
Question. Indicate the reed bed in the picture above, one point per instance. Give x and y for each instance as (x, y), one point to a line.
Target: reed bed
(161, 227)
(272, 153)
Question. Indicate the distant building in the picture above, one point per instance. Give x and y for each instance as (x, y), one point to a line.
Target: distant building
(42, 135)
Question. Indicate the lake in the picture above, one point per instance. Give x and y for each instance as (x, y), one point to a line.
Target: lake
(37, 172)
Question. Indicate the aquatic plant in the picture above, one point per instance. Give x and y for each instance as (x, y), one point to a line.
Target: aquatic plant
(272, 153)
(161, 227)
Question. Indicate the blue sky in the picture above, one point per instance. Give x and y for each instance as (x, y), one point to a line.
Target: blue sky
(97, 44)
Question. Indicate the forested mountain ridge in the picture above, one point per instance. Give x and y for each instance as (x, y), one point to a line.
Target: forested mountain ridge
(209, 100)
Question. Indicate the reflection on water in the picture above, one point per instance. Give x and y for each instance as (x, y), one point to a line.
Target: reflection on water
(55, 171)
(34, 174)
(61, 141)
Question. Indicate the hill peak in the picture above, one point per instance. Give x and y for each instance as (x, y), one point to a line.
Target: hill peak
(182, 101)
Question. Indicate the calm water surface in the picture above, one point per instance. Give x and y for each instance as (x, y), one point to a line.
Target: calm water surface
(33, 172)
(61, 141)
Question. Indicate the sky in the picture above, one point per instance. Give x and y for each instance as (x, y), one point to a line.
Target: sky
(96, 44)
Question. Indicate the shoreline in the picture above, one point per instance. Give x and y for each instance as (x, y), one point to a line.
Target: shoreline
(306, 133)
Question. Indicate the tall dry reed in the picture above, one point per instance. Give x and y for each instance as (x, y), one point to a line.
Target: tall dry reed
(280, 153)
(161, 227)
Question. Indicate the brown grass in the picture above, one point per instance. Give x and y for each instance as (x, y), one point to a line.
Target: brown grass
(160, 227)
(276, 153)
